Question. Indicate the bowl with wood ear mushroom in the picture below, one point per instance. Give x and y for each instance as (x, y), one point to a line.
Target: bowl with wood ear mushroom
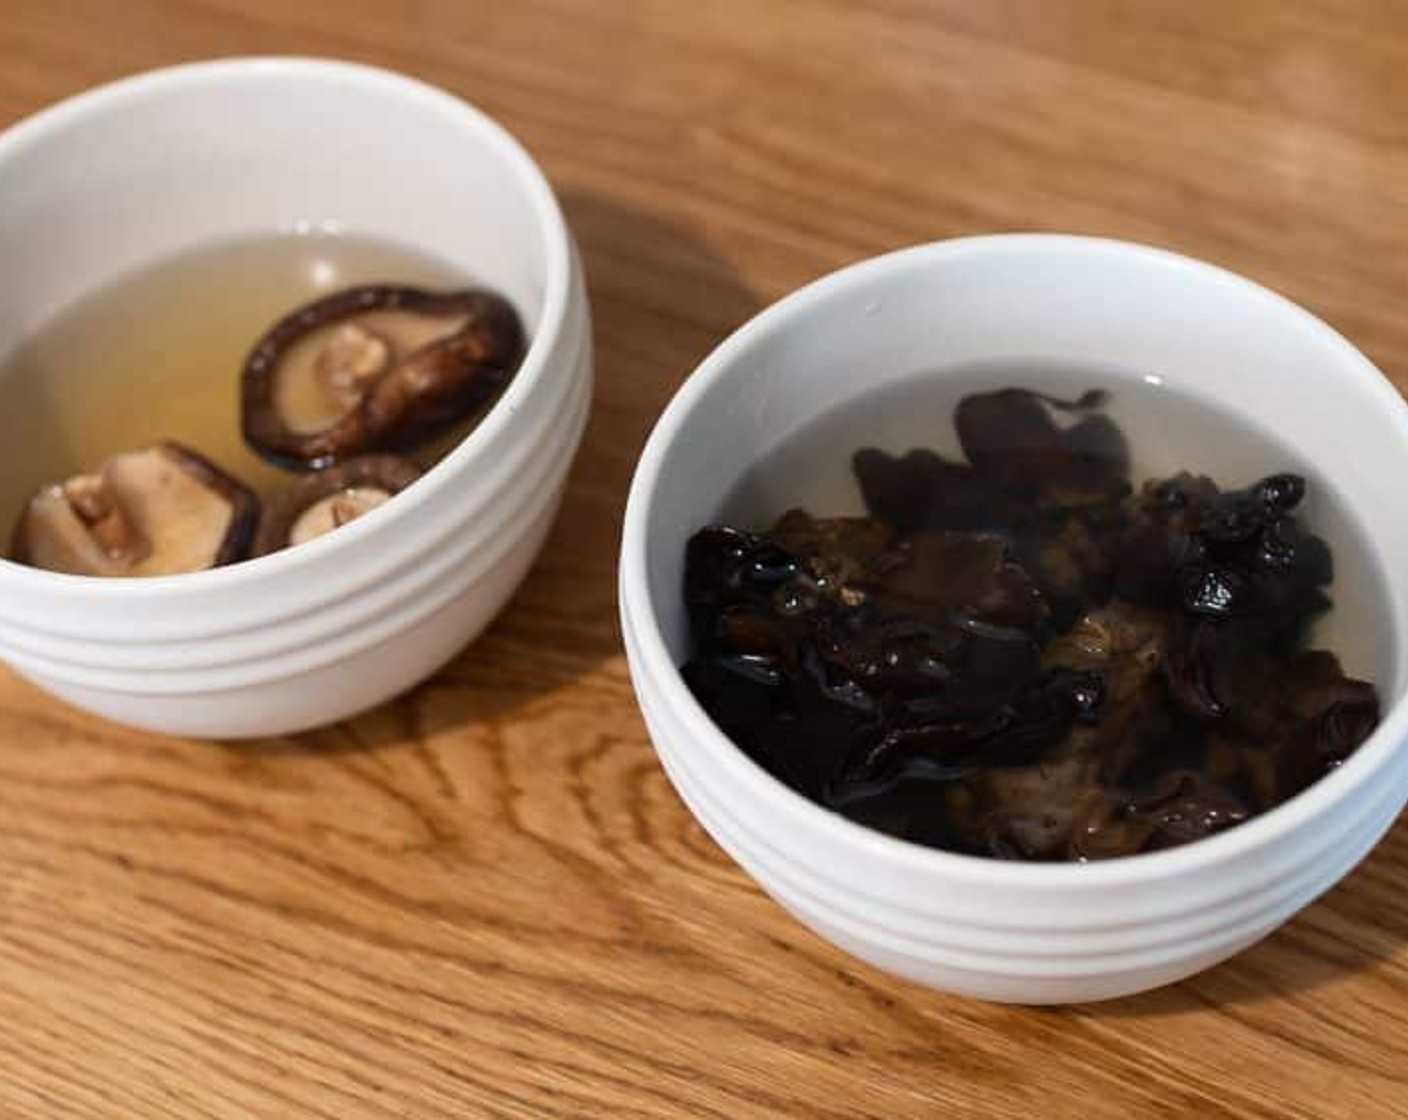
(1025, 703)
(422, 434)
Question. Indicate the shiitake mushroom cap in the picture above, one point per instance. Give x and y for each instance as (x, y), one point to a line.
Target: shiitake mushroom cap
(396, 395)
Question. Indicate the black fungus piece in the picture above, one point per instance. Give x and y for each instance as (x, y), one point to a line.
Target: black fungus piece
(726, 567)
(963, 578)
(1011, 437)
(1018, 657)
(1010, 734)
(1196, 670)
(1302, 717)
(1161, 539)
(1211, 590)
(1186, 807)
(1055, 493)
(1238, 553)
(923, 490)
(1190, 808)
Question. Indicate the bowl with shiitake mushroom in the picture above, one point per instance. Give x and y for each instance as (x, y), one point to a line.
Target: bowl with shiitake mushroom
(293, 385)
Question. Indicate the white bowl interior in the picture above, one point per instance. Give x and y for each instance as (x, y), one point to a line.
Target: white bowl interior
(263, 145)
(1168, 336)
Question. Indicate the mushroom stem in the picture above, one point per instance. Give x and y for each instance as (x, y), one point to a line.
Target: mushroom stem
(97, 507)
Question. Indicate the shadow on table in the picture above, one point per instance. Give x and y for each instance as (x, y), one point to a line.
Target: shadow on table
(661, 300)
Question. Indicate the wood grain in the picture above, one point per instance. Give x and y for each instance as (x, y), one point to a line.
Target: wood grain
(484, 899)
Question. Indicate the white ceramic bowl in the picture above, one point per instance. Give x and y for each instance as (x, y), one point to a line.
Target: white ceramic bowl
(1011, 931)
(122, 176)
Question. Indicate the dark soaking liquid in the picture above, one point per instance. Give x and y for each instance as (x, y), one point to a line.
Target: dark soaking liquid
(1064, 627)
(157, 355)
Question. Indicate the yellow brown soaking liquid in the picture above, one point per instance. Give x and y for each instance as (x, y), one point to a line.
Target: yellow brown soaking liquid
(157, 355)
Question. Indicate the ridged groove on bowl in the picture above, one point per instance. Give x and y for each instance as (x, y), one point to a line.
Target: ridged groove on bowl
(750, 845)
(1031, 951)
(1133, 945)
(1179, 900)
(295, 703)
(542, 464)
(1027, 990)
(418, 591)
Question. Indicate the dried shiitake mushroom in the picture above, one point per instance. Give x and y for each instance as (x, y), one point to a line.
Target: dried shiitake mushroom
(319, 503)
(378, 368)
(156, 511)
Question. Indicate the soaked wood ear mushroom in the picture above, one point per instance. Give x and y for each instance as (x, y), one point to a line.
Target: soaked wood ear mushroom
(329, 499)
(157, 511)
(1017, 656)
(378, 368)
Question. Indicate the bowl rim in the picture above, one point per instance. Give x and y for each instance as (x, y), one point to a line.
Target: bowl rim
(535, 368)
(659, 671)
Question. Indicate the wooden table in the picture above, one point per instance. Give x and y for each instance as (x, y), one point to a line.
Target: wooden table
(485, 899)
